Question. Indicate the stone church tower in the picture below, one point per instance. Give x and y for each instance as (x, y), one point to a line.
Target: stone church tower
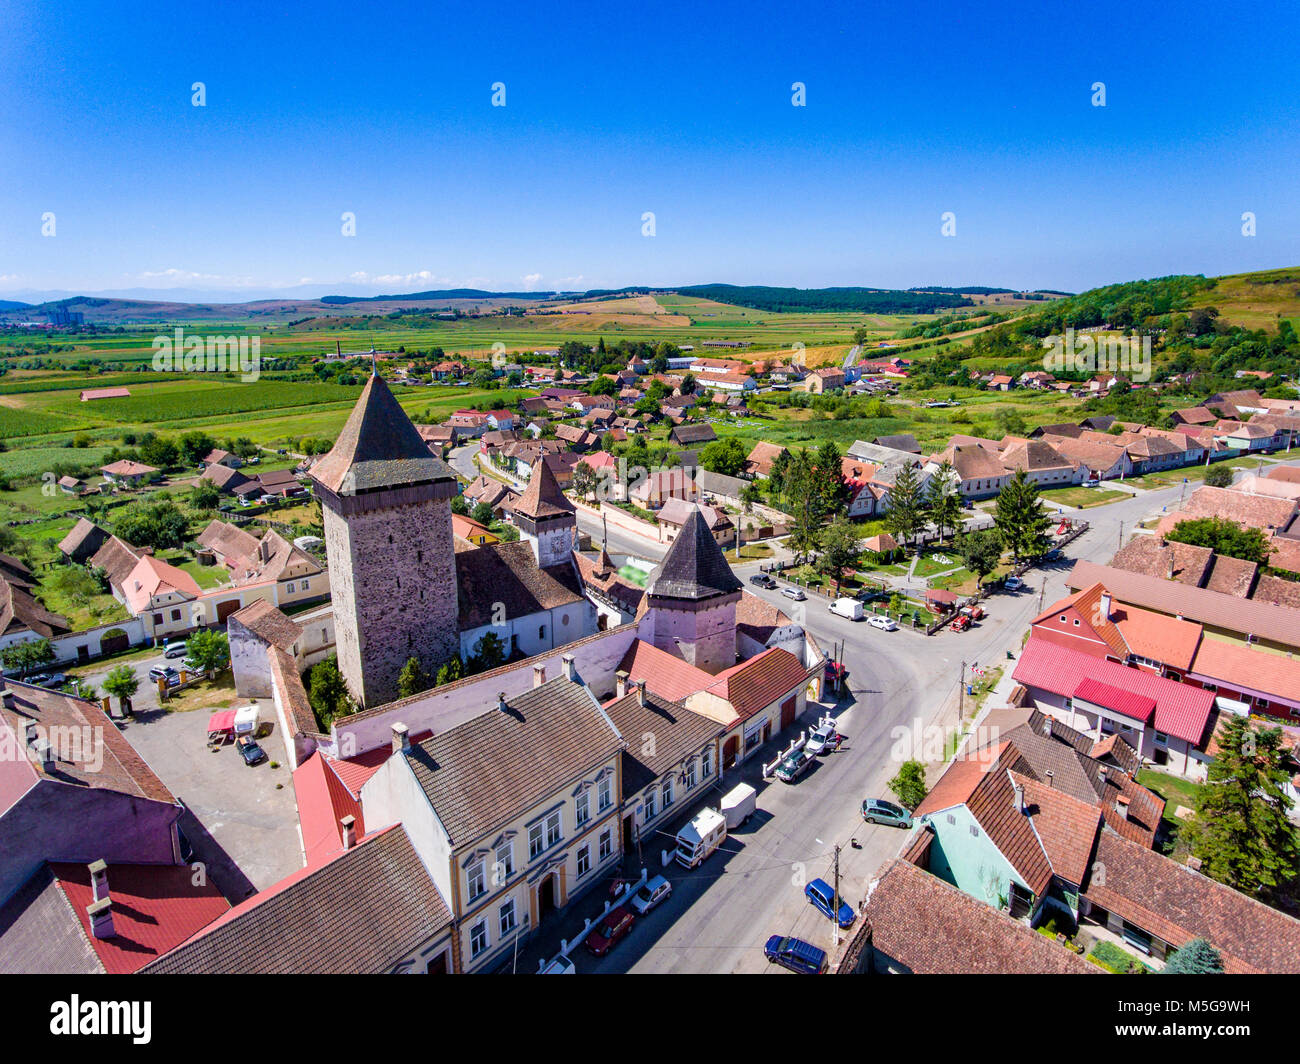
(387, 507)
(546, 519)
(690, 600)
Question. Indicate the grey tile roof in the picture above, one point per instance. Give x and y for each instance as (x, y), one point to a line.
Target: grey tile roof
(489, 770)
(677, 733)
(694, 567)
(508, 573)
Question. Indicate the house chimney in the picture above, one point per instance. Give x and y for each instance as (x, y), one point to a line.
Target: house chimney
(1051, 776)
(7, 698)
(1122, 806)
(620, 683)
(1102, 772)
(1105, 605)
(43, 750)
(1019, 797)
(1047, 727)
(502, 707)
(570, 670)
(401, 738)
(643, 693)
(539, 675)
(349, 825)
(31, 733)
(99, 879)
(1194, 863)
(101, 918)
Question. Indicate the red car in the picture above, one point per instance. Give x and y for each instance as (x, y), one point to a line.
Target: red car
(613, 926)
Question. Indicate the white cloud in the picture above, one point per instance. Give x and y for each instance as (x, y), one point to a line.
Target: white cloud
(530, 281)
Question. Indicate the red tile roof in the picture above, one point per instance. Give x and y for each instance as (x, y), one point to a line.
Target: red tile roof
(754, 685)
(1180, 709)
(663, 673)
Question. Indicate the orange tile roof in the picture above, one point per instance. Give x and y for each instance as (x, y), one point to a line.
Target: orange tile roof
(753, 685)
(1157, 636)
(1247, 668)
(663, 673)
(958, 783)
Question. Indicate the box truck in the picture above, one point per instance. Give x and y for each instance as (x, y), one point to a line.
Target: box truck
(847, 607)
(700, 838)
(737, 804)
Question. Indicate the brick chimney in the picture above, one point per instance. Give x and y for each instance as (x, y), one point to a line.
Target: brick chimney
(1194, 863)
(1018, 797)
(401, 738)
(620, 683)
(1105, 605)
(539, 675)
(349, 825)
(642, 694)
(99, 879)
(570, 669)
(101, 918)
(1122, 806)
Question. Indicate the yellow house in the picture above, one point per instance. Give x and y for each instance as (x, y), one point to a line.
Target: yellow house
(514, 813)
(472, 531)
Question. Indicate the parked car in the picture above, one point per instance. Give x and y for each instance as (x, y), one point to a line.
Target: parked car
(190, 665)
(872, 594)
(561, 966)
(879, 811)
(823, 740)
(650, 894)
(960, 624)
(54, 680)
(975, 613)
(794, 766)
(795, 954)
(249, 750)
(885, 624)
(763, 580)
(610, 931)
(165, 672)
(175, 650)
(821, 895)
(1014, 583)
(850, 609)
(795, 593)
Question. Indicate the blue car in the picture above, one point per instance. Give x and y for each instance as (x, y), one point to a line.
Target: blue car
(819, 892)
(795, 954)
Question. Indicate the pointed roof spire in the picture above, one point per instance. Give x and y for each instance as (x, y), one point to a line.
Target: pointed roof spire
(378, 448)
(543, 497)
(694, 567)
(374, 362)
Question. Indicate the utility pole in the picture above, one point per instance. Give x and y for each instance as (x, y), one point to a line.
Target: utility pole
(1121, 536)
(961, 694)
(835, 905)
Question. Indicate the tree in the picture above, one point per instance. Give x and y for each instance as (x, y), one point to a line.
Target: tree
(603, 386)
(208, 650)
(688, 384)
(724, 456)
(1198, 957)
(153, 524)
(27, 656)
(489, 653)
(122, 683)
(839, 549)
(413, 679)
(1241, 831)
(776, 478)
(803, 503)
(482, 513)
(327, 692)
(451, 671)
(1225, 536)
(750, 496)
(460, 505)
(943, 499)
(205, 495)
(909, 784)
(906, 514)
(1219, 476)
(980, 553)
(830, 478)
(195, 446)
(1019, 518)
(156, 451)
(584, 480)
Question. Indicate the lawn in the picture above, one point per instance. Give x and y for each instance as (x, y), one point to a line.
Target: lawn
(1082, 497)
(1173, 477)
(1174, 790)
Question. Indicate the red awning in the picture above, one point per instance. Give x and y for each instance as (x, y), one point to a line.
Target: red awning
(223, 720)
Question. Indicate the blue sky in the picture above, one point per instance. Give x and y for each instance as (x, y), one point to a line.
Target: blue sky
(611, 111)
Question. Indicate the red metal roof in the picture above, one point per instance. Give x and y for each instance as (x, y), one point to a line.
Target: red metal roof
(1181, 710)
(1129, 703)
(323, 800)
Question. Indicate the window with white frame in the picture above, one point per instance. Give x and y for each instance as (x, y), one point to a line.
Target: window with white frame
(508, 917)
(706, 763)
(606, 843)
(478, 938)
(289, 587)
(553, 833)
(651, 810)
(506, 858)
(690, 774)
(477, 880)
(582, 809)
(604, 795)
(536, 841)
(584, 860)
(668, 793)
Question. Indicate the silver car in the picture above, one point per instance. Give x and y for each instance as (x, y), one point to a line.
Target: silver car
(879, 811)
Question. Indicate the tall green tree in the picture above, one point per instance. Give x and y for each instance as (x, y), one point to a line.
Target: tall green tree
(980, 553)
(1225, 536)
(943, 499)
(153, 524)
(1198, 957)
(1019, 517)
(803, 502)
(327, 692)
(839, 549)
(27, 656)
(906, 514)
(449, 672)
(830, 478)
(1242, 831)
(209, 650)
(122, 683)
(413, 679)
(909, 784)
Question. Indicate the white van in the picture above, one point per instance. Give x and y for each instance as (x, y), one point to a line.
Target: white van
(847, 607)
(737, 804)
(698, 839)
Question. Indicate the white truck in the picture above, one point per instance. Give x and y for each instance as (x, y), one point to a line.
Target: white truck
(737, 804)
(847, 607)
(698, 839)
